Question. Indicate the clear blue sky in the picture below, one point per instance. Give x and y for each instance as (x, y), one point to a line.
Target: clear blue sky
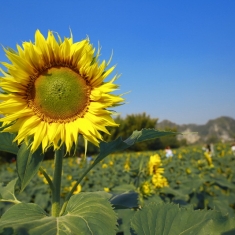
(176, 57)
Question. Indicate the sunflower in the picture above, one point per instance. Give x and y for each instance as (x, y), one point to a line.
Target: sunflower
(159, 181)
(146, 189)
(54, 90)
(154, 164)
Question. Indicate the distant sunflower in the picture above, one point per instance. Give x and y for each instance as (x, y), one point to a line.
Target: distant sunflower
(54, 90)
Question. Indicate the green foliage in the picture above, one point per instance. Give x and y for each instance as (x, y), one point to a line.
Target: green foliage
(86, 213)
(136, 137)
(193, 183)
(132, 123)
(119, 145)
(169, 219)
(137, 122)
(27, 164)
(125, 200)
(170, 140)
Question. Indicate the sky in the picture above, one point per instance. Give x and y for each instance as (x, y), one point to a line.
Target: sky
(176, 58)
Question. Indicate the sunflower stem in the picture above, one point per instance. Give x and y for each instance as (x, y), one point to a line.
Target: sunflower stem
(55, 209)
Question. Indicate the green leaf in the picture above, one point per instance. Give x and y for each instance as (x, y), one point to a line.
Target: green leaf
(93, 212)
(125, 200)
(169, 219)
(7, 144)
(27, 164)
(7, 193)
(22, 217)
(147, 134)
(136, 137)
(86, 213)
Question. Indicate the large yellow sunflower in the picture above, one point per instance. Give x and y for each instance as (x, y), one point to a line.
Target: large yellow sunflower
(54, 90)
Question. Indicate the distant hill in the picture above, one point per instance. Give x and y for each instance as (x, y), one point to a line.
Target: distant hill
(219, 129)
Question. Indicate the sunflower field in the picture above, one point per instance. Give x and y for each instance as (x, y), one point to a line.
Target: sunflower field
(187, 192)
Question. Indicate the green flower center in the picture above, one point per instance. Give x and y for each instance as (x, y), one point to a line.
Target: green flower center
(59, 94)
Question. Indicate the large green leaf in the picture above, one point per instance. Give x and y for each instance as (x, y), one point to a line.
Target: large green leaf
(169, 219)
(7, 144)
(86, 213)
(27, 164)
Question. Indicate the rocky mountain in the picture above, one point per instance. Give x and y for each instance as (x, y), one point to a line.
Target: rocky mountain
(219, 129)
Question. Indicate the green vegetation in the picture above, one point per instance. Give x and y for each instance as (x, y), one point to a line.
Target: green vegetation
(137, 122)
(194, 183)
